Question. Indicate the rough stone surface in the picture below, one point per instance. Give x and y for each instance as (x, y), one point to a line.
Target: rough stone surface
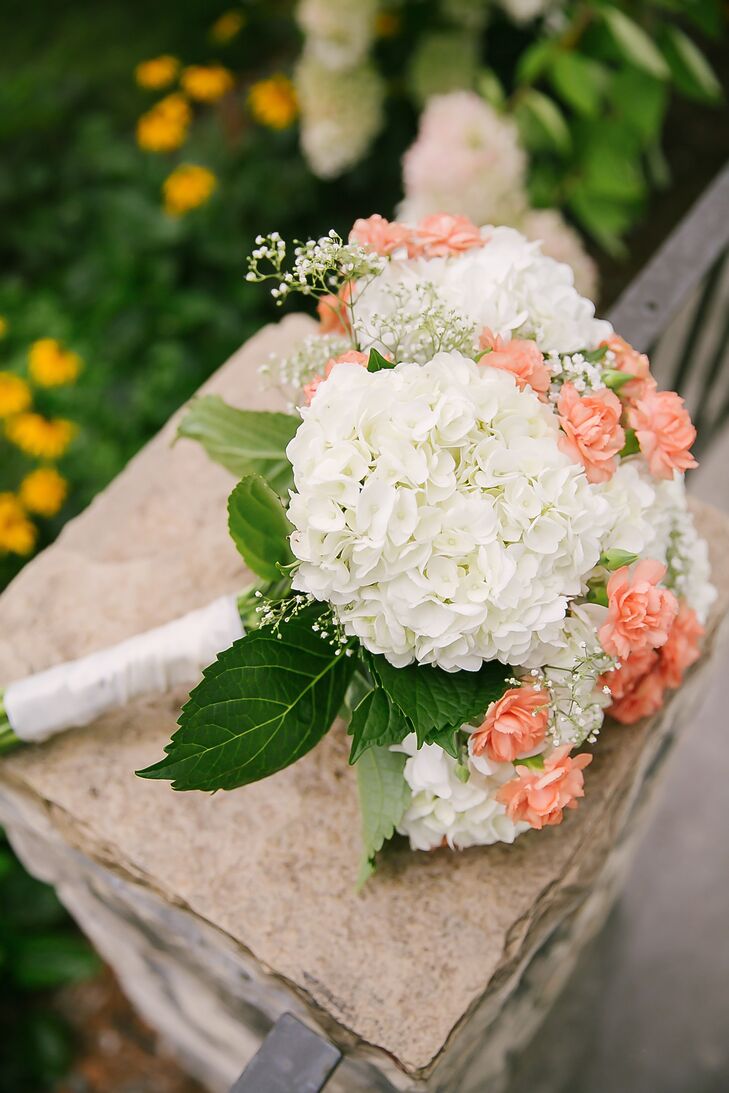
(424, 959)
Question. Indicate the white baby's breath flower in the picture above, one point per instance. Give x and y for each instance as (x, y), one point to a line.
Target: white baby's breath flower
(435, 511)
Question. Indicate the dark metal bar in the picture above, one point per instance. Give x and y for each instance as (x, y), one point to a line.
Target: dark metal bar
(647, 306)
(292, 1059)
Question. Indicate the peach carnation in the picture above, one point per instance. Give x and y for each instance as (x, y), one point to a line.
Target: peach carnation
(683, 646)
(665, 432)
(643, 700)
(443, 234)
(380, 235)
(592, 432)
(352, 356)
(640, 614)
(634, 364)
(539, 797)
(514, 725)
(332, 312)
(520, 356)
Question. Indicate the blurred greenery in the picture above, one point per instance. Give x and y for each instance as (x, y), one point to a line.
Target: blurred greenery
(40, 950)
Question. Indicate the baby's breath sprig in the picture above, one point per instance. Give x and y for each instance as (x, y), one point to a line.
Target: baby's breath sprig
(584, 370)
(421, 324)
(576, 699)
(320, 266)
(273, 613)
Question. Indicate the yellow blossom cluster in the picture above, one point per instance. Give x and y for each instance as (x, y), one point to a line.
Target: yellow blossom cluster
(164, 127)
(157, 73)
(206, 83)
(273, 102)
(187, 187)
(227, 26)
(43, 490)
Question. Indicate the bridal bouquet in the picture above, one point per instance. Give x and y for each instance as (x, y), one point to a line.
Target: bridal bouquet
(470, 532)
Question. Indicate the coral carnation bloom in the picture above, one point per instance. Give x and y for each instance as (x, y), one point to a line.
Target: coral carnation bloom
(645, 699)
(380, 235)
(683, 646)
(332, 312)
(514, 725)
(520, 356)
(665, 432)
(539, 797)
(640, 614)
(442, 234)
(593, 435)
(634, 364)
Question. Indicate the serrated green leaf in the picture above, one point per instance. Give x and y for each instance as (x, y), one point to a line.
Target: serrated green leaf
(541, 122)
(579, 81)
(377, 362)
(634, 43)
(376, 721)
(448, 739)
(242, 441)
(384, 796)
(259, 527)
(692, 73)
(433, 699)
(261, 705)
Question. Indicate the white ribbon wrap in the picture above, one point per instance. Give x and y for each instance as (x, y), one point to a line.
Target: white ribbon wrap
(74, 694)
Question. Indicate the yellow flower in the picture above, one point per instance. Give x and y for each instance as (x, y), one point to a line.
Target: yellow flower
(4, 324)
(187, 187)
(43, 491)
(207, 83)
(225, 28)
(387, 24)
(273, 102)
(39, 437)
(17, 532)
(164, 127)
(50, 365)
(159, 72)
(14, 394)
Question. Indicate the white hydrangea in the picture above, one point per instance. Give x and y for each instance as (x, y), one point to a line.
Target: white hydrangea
(506, 285)
(631, 495)
(341, 114)
(445, 810)
(467, 160)
(338, 32)
(435, 511)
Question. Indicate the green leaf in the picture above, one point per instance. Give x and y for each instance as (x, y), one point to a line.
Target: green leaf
(534, 60)
(490, 88)
(632, 444)
(692, 73)
(448, 739)
(242, 441)
(616, 559)
(376, 722)
(433, 699)
(605, 218)
(541, 123)
(377, 362)
(597, 592)
(634, 43)
(640, 102)
(579, 81)
(259, 527)
(384, 796)
(263, 704)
